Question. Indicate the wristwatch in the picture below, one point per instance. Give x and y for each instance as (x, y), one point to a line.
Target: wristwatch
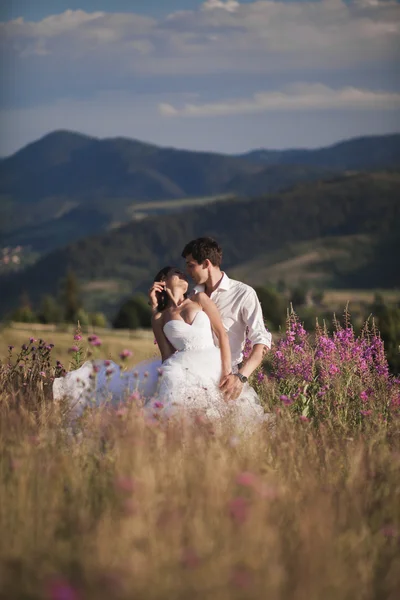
(242, 378)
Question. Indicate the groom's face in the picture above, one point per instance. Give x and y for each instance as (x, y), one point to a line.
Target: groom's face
(199, 273)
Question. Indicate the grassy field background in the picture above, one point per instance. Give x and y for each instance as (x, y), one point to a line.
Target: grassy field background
(140, 343)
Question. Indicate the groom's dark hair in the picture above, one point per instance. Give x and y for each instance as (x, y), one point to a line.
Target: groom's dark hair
(202, 249)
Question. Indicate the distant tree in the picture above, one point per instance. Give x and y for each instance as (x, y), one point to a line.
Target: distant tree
(83, 317)
(317, 297)
(133, 314)
(143, 310)
(97, 319)
(50, 310)
(273, 307)
(388, 323)
(71, 297)
(281, 286)
(298, 296)
(24, 313)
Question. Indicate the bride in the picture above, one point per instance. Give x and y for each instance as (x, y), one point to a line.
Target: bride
(193, 369)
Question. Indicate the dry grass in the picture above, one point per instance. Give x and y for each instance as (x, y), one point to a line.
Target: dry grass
(127, 510)
(116, 507)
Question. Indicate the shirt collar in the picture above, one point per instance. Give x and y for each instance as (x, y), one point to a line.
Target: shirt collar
(223, 286)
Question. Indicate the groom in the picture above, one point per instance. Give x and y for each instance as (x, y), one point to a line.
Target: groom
(237, 303)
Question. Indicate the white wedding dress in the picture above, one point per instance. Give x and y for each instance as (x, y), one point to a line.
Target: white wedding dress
(187, 382)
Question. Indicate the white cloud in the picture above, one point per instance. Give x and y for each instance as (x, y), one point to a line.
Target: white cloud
(299, 97)
(229, 5)
(221, 37)
(57, 72)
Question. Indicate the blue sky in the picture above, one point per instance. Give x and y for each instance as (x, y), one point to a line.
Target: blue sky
(35, 10)
(223, 75)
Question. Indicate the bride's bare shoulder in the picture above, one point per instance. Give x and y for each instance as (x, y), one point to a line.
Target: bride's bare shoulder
(198, 297)
(196, 301)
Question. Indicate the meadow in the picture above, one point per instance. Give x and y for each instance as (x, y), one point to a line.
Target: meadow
(120, 507)
(140, 342)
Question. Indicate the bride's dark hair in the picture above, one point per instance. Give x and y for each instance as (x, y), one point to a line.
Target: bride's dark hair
(162, 297)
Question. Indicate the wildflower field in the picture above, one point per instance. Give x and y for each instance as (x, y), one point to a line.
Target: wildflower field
(122, 508)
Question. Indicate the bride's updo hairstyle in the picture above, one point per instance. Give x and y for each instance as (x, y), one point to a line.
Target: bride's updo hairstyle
(162, 297)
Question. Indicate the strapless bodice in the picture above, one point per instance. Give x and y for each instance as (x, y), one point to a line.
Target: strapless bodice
(196, 336)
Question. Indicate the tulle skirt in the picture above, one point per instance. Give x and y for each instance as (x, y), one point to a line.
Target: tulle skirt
(99, 382)
(187, 384)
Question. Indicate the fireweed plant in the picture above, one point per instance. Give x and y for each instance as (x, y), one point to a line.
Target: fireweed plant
(337, 377)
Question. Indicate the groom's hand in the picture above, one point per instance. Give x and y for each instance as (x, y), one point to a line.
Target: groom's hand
(231, 387)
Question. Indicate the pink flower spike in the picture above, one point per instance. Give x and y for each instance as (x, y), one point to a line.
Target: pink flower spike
(241, 578)
(286, 400)
(304, 418)
(73, 349)
(59, 589)
(158, 404)
(129, 507)
(366, 413)
(125, 484)
(125, 354)
(96, 342)
(389, 531)
(247, 479)
(238, 510)
(77, 337)
(42, 373)
(190, 559)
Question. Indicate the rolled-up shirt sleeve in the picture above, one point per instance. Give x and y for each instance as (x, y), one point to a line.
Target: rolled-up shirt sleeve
(253, 318)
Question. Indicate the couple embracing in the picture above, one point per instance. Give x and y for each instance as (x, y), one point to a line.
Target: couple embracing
(201, 339)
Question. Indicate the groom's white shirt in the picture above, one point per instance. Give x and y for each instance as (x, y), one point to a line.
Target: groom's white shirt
(239, 308)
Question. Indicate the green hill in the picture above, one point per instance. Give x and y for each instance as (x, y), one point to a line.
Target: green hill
(368, 152)
(66, 186)
(255, 234)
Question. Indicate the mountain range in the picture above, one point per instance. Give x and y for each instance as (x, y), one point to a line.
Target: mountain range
(71, 199)
(66, 185)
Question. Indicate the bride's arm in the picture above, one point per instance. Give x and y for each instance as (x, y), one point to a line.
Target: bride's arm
(216, 323)
(165, 347)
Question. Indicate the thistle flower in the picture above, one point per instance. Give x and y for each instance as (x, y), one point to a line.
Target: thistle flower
(73, 349)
